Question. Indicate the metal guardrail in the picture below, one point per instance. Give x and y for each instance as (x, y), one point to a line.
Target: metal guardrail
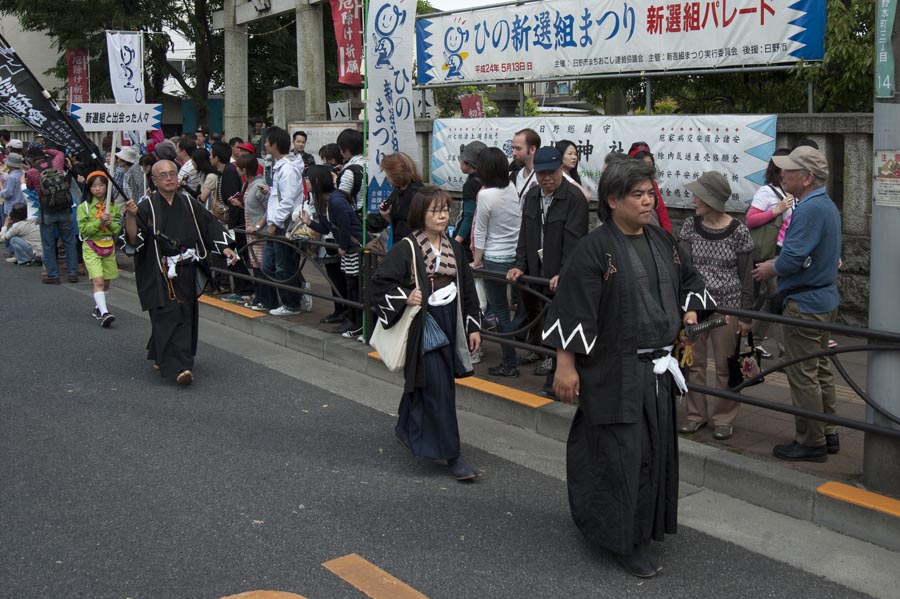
(886, 341)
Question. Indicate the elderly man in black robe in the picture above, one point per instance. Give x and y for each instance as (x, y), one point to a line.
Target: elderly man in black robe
(618, 310)
(171, 236)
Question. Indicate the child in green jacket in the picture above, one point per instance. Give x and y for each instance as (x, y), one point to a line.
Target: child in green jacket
(99, 222)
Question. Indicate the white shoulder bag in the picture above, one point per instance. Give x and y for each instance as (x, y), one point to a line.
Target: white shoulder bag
(391, 343)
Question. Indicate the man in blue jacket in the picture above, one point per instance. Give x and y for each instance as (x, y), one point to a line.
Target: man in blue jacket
(807, 271)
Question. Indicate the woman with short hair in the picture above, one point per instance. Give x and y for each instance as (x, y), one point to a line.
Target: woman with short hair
(445, 290)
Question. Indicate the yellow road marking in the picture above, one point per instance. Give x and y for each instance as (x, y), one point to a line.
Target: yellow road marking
(861, 497)
(509, 393)
(265, 595)
(229, 307)
(370, 579)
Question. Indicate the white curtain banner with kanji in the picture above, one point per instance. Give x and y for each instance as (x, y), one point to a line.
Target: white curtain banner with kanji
(684, 147)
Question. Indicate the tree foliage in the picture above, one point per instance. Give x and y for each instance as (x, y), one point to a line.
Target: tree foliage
(82, 24)
(842, 82)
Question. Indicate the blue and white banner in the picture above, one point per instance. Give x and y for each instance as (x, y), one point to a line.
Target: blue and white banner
(117, 117)
(567, 38)
(684, 147)
(390, 106)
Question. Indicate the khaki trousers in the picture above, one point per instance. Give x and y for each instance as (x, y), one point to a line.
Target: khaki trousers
(811, 381)
(722, 411)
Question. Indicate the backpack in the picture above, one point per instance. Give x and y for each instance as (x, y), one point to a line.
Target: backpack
(54, 188)
(765, 238)
(358, 173)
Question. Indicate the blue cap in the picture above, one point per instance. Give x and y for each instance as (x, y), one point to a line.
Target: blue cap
(547, 158)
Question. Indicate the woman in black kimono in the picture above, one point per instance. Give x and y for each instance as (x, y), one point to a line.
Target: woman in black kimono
(171, 236)
(618, 310)
(427, 423)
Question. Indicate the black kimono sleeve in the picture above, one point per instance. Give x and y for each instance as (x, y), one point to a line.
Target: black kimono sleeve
(572, 319)
(392, 284)
(694, 295)
(215, 236)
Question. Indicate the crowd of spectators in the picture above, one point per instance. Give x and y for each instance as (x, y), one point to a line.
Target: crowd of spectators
(518, 218)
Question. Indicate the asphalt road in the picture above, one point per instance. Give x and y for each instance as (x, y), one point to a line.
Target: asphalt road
(117, 484)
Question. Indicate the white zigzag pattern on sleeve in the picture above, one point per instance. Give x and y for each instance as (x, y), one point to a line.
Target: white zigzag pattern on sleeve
(475, 320)
(566, 341)
(706, 300)
(227, 237)
(389, 306)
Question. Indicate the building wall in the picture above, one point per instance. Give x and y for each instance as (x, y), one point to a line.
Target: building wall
(35, 48)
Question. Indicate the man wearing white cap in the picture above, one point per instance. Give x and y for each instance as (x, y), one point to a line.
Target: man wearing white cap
(132, 176)
(807, 271)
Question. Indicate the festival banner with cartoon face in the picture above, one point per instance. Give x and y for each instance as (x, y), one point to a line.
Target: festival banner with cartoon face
(684, 147)
(390, 106)
(569, 38)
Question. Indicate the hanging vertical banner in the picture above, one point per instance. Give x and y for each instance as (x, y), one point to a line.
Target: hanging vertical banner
(348, 32)
(739, 146)
(21, 97)
(472, 108)
(126, 65)
(79, 80)
(389, 94)
(569, 38)
(126, 71)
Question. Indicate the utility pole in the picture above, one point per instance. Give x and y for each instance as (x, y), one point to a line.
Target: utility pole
(881, 456)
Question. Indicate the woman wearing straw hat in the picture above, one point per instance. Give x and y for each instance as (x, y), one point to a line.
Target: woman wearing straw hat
(721, 249)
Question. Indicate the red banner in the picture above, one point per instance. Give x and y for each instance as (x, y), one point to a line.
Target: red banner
(348, 32)
(79, 76)
(472, 108)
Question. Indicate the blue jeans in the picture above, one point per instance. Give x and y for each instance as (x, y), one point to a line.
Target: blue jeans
(499, 306)
(54, 226)
(280, 264)
(22, 250)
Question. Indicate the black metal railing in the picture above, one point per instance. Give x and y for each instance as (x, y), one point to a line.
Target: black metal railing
(884, 341)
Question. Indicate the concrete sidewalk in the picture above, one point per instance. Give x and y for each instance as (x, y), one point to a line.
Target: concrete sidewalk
(742, 467)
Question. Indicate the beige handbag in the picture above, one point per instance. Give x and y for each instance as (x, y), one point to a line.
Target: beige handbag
(391, 343)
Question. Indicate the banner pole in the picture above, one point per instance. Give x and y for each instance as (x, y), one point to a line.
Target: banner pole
(112, 165)
(364, 272)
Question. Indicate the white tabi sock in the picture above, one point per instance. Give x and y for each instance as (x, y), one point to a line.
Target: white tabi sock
(100, 300)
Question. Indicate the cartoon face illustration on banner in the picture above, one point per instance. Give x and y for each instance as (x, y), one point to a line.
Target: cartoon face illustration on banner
(388, 18)
(454, 39)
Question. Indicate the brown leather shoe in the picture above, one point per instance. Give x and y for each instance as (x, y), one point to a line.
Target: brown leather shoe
(73, 278)
(51, 280)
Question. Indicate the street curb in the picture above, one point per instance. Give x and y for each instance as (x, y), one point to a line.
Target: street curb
(765, 484)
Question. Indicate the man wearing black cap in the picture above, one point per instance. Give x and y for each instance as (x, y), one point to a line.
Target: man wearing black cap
(807, 270)
(554, 218)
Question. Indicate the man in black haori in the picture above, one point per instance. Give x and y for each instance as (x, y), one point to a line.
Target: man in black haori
(620, 304)
(171, 236)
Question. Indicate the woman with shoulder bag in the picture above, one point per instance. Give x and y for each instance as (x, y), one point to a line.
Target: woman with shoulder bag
(767, 218)
(721, 250)
(427, 271)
